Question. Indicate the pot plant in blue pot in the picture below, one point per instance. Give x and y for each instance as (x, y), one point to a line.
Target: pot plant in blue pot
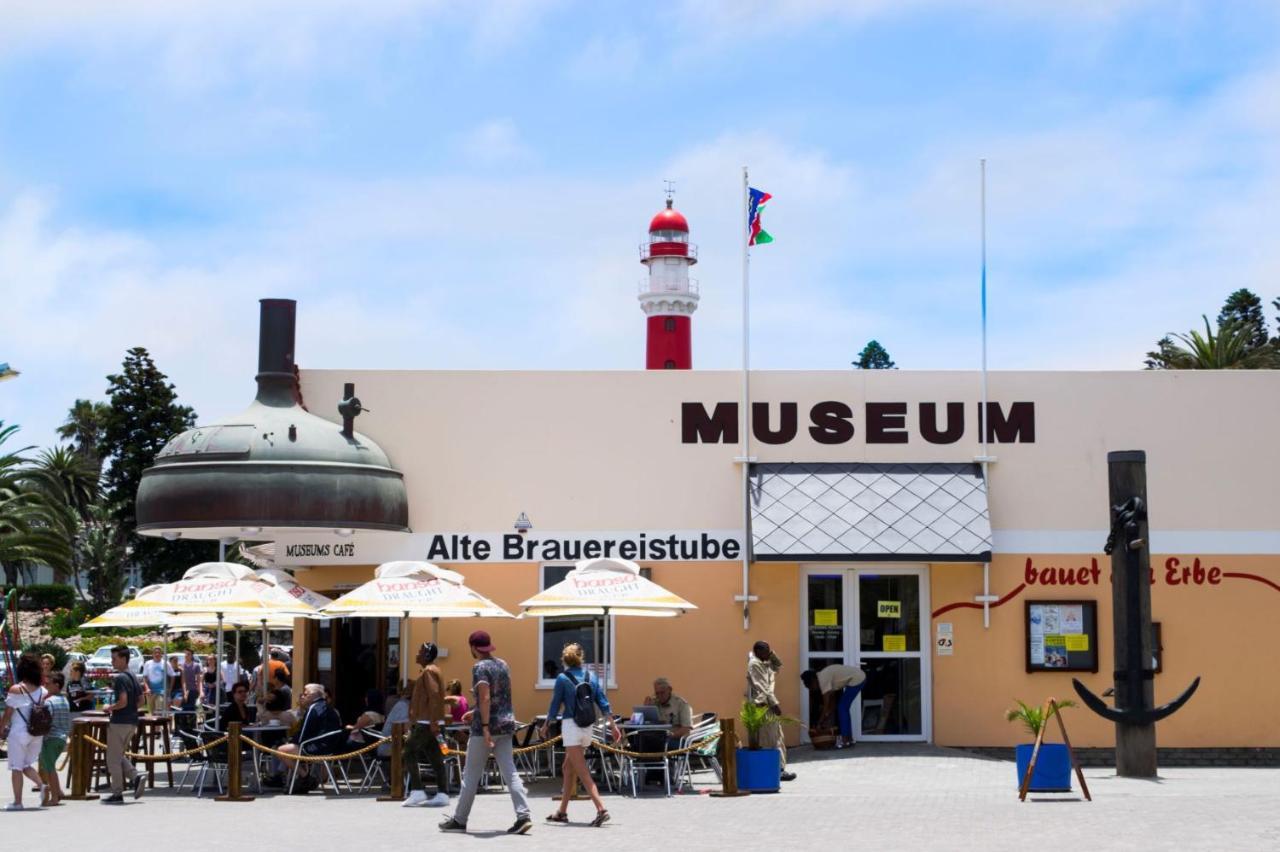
(759, 769)
(1053, 764)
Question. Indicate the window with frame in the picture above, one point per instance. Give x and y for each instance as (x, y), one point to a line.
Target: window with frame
(669, 324)
(560, 631)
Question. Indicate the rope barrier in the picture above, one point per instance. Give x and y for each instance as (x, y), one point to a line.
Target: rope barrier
(307, 758)
(698, 746)
(544, 744)
(134, 755)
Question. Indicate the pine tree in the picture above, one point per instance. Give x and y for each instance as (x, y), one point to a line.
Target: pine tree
(874, 357)
(1244, 308)
(143, 414)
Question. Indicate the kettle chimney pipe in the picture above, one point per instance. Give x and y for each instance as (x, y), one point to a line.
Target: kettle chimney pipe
(276, 329)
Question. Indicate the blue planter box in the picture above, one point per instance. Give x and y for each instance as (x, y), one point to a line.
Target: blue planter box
(1053, 767)
(759, 771)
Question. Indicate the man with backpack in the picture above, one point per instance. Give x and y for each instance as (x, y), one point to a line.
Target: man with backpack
(121, 727)
(581, 696)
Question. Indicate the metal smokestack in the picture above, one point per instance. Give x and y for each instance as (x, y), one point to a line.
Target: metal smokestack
(277, 326)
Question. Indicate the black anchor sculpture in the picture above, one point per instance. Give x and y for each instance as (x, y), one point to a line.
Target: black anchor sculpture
(1127, 545)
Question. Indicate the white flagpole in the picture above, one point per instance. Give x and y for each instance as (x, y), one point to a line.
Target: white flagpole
(744, 224)
(986, 597)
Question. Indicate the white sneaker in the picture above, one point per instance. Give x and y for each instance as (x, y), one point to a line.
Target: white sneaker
(417, 798)
(13, 806)
(439, 800)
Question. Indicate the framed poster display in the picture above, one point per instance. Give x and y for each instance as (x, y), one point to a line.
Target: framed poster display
(1062, 636)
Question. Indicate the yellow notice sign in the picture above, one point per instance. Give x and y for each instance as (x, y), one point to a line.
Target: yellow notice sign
(1077, 641)
(1055, 640)
(825, 617)
(889, 609)
(894, 642)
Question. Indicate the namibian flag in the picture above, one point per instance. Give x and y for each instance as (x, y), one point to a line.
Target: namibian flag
(756, 204)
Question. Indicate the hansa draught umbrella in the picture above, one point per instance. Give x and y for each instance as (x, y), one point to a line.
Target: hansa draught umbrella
(601, 588)
(406, 589)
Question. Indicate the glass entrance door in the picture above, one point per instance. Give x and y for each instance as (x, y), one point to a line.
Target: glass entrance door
(890, 627)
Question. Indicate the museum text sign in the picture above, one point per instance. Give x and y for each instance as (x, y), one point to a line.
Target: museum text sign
(835, 422)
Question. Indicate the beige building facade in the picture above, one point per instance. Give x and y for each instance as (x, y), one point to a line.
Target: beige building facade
(998, 592)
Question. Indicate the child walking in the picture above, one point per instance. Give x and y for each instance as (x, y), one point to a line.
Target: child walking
(55, 742)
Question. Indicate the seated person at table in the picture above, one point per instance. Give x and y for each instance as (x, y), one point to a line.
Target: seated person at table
(373, 716)
(276, 709)
(78, 694)
(455, 702)
(319, 719)
(672, 710)
(237, 709)
(399, 713)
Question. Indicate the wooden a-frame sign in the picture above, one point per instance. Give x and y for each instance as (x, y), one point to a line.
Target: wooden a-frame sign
(1052, 706)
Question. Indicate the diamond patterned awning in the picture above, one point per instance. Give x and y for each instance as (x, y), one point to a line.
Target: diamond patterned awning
(869, 512)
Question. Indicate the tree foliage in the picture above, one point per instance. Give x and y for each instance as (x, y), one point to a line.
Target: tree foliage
(874, 357)
(28, 534)
(1239, 342)
(142, 415)
(83, 428)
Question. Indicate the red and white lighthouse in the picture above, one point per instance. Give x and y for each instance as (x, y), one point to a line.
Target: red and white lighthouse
(670, 296)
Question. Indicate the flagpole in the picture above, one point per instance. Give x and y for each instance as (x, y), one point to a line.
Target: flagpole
(745, 236)
(984, 459)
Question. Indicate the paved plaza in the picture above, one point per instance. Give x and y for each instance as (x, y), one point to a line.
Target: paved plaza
(888, 797)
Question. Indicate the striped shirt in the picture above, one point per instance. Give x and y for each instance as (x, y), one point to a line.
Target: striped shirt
(61, 712)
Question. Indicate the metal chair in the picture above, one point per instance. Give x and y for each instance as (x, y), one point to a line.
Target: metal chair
(327, 764)
(370, 763)
(704, 733)
(203, 762)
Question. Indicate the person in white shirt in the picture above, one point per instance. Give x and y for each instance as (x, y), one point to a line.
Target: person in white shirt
(24, 747)
(232, 673)
(839, 686)
(157, 672)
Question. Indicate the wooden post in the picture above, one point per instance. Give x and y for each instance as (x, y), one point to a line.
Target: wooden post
(233, 766)
(1071, 753)
(1131, 611)
(1035, 754)
(729, 760)
(396, 771)
(81, 756)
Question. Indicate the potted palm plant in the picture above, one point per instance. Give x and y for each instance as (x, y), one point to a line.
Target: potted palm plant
(759, 769)
(1053, 764)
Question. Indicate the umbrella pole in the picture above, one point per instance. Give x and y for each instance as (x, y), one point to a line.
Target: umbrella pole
(265, 671)
(217, 678)
(164, 695)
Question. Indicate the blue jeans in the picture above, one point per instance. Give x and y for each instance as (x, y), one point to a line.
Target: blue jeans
(847, 696)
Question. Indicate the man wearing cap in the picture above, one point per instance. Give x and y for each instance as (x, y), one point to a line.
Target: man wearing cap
(493, 722)
(426, 709)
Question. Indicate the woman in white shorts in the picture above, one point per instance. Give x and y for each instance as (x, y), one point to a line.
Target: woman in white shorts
(574, 736)
(24, 749)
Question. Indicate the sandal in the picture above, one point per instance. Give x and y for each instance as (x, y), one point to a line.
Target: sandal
(601, 818)
(558, 817)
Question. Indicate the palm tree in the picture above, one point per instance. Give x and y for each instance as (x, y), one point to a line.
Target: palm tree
(27, 516)
(68, 486)
(1229, 349)
(83, 428)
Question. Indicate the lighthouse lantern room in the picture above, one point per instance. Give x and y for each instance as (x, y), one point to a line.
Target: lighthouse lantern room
(670, 296)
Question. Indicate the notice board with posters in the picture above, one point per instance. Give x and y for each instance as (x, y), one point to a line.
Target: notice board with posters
(1062, 636)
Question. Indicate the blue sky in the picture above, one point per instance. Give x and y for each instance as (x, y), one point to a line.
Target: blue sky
(463, 185)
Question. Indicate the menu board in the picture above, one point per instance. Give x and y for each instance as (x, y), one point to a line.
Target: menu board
(1062, 636)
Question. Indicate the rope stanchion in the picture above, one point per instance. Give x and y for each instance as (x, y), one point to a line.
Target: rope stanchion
(143, 757)
(81, 764)
(396, 780)
(307, 758)
(728, 761)
(233, 766)
(536, 746)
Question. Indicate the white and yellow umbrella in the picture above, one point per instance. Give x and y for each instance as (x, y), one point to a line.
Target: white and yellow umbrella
(225, 590)
(605, 587)
(405, 590)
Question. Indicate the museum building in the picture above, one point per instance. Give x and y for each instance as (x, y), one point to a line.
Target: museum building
(873, 526)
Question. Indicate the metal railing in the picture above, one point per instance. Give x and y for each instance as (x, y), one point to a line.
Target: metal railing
(668, 249)
(659, 288)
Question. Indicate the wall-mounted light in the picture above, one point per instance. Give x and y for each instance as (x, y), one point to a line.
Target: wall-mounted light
(250, 530)
(344, 532)
(171, 536)
(523, 524)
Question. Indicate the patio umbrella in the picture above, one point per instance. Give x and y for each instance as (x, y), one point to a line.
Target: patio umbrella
(601, 588)
(220, 589)
(119, 616)
(407, 590)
